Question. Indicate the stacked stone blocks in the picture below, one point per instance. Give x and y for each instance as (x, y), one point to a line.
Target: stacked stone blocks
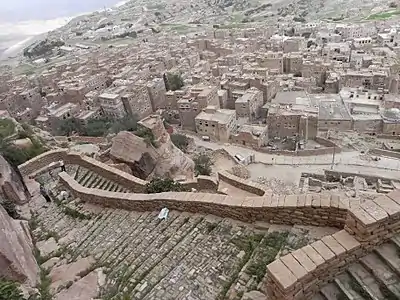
(301, 274)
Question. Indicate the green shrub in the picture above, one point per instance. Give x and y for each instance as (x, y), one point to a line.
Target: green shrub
(181, 141)
(10, 208)
(159, 185)
(202, 165)
(9, 290)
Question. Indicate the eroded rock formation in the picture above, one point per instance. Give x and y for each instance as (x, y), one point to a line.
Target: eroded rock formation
(11, 185)
(16, 259)
(146, 160)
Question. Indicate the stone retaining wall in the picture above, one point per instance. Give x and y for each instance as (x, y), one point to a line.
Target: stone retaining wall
(305, 152)
(326, 142)
(300, 274)
(246, 185)
(48, 160)
(371, 179)
(42, 161)
(309, 209)
(383, 152)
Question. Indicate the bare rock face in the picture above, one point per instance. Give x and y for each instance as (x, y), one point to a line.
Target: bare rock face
(172, 162)
(254, 295)
(11, 185)
(61, 275)
(87, 287)
(163, 159)
(133, 151)
(25, 143)
(16, 259)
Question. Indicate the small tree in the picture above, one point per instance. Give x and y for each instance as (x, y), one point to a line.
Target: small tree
(175, 82)
(202, 165)
(97, 127)
(9, 291)
(10, 208)
(181, 141)
(160, 185)
(69, 126)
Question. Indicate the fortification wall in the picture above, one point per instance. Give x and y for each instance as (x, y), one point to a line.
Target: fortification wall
(300, 274)
(41, 161)
(47, 161)
(295, 276)
(310, 209)
(241, 183)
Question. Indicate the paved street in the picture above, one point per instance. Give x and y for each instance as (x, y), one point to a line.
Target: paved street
(351, 161)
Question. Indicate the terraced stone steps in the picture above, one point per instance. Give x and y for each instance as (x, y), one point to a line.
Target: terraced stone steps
(90, 179)
(375, 276)
(145, 257)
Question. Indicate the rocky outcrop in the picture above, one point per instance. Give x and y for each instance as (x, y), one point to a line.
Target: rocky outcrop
(11, 185)
(133, 151)
(146, 160)
(16, 259)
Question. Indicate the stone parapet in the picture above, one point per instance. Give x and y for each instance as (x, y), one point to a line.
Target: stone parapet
(124, 179)
(302, 273)
(310, 209)
(48, 161)
(241, 183)
(41, 161)
(383, 152)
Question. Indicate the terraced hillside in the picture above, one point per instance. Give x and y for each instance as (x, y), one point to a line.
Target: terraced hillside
(186, 256)
(374, 277)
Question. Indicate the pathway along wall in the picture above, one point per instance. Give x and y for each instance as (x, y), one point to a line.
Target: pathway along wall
(302, 273)
(48, 160)
(295, 276)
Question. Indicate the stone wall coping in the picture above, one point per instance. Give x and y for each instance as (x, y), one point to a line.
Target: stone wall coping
(365, 225)
(289, 201)
(246, 185)
(294, 268)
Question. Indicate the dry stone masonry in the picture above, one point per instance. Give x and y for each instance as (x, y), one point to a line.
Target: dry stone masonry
(297, 275)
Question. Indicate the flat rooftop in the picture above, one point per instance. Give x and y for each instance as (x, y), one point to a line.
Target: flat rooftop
(109, 96)
(290, 97)
(333, 109)
(220, 115)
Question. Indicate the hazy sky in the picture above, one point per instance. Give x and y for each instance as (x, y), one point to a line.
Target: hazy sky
(24, 10)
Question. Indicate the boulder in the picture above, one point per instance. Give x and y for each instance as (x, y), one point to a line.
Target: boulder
(25, 143)
(135, 152)
(85, 288)
(11, 184)
(254, 295)
(61, 275)
(146, 160)
(17, 262)
(47, 247)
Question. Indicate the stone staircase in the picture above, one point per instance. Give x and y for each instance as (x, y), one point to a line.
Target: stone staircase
(191, 256)
(93, 180)
(376, 276)
(186, 256)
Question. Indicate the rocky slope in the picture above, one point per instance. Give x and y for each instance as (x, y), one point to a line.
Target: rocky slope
(160, 158)
(17, 262)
